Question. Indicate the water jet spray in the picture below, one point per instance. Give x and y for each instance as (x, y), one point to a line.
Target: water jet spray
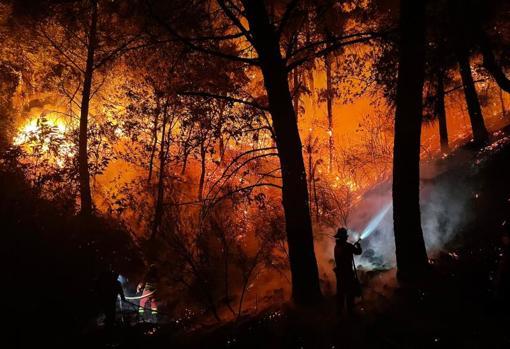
(374, 223)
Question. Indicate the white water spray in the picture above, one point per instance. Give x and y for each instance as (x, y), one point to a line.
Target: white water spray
(374, 223)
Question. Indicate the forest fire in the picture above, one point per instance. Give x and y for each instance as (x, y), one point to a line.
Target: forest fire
(45, 139)
(219, 171)
(36, 131)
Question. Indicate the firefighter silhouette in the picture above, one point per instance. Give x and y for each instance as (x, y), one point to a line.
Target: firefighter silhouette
(108, 289)
(148, 305)
(347, 283)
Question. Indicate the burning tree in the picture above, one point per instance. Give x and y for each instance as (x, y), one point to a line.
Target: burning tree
(273, 29)
(80, 32)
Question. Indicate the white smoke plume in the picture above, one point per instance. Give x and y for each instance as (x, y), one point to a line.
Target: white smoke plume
(444, 212)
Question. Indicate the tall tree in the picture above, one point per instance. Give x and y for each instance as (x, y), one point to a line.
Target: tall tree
(440, 111)
(166, 137)
(461, 33)
(88, 36)
(83, 162)
(329, 105)
(305, 278)
(410, 247)
(480, 134)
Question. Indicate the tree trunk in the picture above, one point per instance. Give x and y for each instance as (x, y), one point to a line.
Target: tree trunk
(303, 264)
(295, 82)
(202, 170)
(158, 211)
(315, 196)
(492, 66)
(222, 146)
(153, 146)
(83, 165)
(441, 112)
(329, 100)
(310, 174)
(480, 134)
(460, 31)
(410, 247)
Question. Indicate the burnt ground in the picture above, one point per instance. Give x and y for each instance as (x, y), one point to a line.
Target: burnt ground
(457, 306)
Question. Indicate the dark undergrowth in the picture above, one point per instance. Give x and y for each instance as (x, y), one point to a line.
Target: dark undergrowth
(52, 259)
(457, 306)
(55, 257)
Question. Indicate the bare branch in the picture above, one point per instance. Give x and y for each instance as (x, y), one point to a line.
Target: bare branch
(61, 51)
(226, 98)
(234, 161)
(249, 187)
(98, 87)
(225, 177)
(334, 44)
(121, 49)
(189, 42)
(216, 37)
(458, 87)
(235, 20)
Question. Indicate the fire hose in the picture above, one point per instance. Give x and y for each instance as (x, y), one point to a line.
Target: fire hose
(142, 296)
(127, 300)
(144, 308)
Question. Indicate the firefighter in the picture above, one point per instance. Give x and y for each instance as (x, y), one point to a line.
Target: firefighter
(148, 305)
(347, 283)
(109, 288)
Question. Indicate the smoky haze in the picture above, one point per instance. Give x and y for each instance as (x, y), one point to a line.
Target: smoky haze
(445, 211)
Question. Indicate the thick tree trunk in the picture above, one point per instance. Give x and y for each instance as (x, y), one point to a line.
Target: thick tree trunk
(410, 247)
(329, 102)
(83, 164)
(441, 112)
(480, 134)
(303, 264)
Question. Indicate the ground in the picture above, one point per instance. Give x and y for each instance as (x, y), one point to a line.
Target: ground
(455, 307)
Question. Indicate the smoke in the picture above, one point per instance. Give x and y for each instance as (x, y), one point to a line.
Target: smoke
(444, 212)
